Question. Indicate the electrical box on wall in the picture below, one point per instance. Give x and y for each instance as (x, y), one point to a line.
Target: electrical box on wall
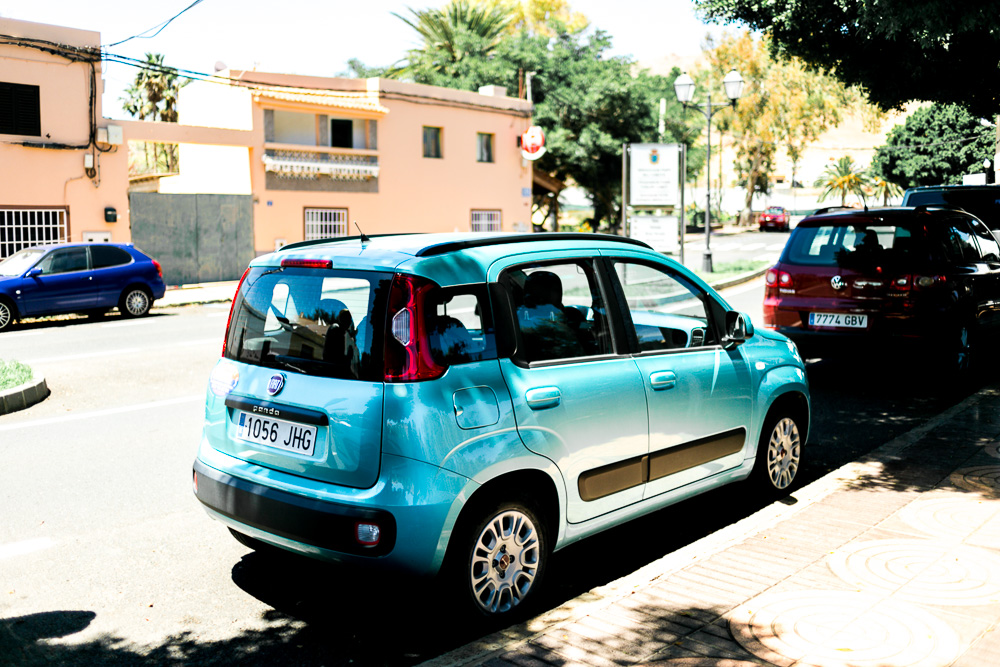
(110, 214)
(112, 134)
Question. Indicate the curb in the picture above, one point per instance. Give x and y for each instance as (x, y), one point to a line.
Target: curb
(24, 396)
(739, 280)
(492, 646)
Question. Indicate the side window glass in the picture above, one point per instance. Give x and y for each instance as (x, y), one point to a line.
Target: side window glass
(460, 328)
(64, 261)
(560, 311)
(108, 255)
(668, 312)
(987, 242)
(961, 242)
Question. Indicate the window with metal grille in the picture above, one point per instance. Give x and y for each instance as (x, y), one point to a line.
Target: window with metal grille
(325, 223)
(486, 221)
(19, 109)
(26, 227)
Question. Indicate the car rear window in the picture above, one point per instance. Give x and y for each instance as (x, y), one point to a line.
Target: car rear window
(847, 245)
(320, 322)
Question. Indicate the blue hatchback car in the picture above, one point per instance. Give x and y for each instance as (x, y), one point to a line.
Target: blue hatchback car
(78, 278)
(468, 404)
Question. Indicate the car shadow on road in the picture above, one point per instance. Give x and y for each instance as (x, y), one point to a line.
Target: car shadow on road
(59, 321)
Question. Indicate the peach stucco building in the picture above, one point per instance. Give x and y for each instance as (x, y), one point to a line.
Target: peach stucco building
(310, 156)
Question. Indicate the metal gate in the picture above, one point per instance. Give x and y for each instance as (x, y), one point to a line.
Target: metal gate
(26, 227)
(196, 238)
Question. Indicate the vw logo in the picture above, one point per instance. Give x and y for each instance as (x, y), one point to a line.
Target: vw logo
(275, 384)
(837, 283)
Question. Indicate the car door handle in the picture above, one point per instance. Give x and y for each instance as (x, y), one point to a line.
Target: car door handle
(663, 380)
(540, 398)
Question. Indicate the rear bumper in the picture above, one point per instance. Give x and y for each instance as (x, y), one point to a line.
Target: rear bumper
(323, 524)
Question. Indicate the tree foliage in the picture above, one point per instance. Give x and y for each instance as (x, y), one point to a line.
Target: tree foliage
(897, 50)
(153, 96)
(936, 145)
(784, 104)
(842, 178)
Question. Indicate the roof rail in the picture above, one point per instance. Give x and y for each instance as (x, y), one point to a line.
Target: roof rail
(821, 211)
(336, 239)
(452, 246)
(922, 208)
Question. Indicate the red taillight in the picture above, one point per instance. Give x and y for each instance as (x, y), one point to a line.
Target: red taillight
(307, 263)
(776, 278)
(408, 355)
(917, 283)
(159, 269)
(231, 307)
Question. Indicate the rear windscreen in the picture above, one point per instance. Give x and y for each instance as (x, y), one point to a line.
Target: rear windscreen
(854, 246)
(320, 322)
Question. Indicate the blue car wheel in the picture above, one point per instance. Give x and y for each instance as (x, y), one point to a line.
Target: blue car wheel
(6, 315)
(135, 302)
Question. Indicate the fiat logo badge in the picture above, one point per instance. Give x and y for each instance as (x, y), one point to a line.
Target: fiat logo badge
(275, 384)
(837, 283)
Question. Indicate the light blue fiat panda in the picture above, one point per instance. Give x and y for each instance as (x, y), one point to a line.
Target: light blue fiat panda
(468, 404)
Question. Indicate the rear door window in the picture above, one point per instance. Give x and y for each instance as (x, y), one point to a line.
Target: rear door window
(460, 325)
(319, 322)
(959, 242)
(102, 256)
(988, 245)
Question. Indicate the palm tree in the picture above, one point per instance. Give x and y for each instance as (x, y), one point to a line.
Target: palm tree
(457, 31)
(885, 190)
(844, 177)
(153, 96)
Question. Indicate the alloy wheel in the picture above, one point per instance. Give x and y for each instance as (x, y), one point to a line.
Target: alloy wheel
(137, 303)
(5, 316)
(505, 562)
(783, 453)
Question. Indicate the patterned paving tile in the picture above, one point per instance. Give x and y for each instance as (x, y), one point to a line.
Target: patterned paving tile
(921, 571)
(838, 628)
(961, 517)
(984, 479)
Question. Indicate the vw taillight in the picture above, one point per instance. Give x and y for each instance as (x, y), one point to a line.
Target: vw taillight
(408, 355)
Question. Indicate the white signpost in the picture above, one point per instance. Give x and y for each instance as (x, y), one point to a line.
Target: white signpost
(651, 180)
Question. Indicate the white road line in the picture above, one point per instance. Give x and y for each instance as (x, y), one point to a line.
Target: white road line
(776, 246)
(25, 547)
(21, 334)
(745, 287)
(35, 423)
(766, 257)
(750, 247)
(122, 323)
(121, 350)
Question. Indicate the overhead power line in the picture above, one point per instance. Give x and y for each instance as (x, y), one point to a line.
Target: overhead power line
(158, 27)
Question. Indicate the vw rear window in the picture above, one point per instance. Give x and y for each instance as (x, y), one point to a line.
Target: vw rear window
(855, 245)
(319, 322)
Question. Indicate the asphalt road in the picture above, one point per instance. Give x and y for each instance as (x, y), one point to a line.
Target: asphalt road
(106, 557)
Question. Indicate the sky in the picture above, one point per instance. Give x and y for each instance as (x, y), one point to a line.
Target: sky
(318, 37)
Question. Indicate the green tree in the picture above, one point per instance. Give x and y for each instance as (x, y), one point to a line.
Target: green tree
(844, 177)
(153, 96)
(453, 35)
(897, 50)
(936, 145)
(783, 105)
(883, 189)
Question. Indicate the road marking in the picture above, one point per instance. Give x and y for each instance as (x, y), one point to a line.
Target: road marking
(21, 334)
(776, 246)
(769, 257)
(750, 247)
(35, 423)
(123, 323)
(25, 547)
(123, 350)
(745, 287)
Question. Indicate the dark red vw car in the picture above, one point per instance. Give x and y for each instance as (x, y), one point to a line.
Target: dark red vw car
(774, 217)
(853, 280)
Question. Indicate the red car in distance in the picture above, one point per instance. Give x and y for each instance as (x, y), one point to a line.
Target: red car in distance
(774, 217)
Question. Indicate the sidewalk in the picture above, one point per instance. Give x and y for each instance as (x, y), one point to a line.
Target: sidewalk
(891, 560)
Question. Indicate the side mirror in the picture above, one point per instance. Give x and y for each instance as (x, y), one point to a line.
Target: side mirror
(33, 272)
(738, 329)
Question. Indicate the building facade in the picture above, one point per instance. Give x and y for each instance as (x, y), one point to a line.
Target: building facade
(315, 157)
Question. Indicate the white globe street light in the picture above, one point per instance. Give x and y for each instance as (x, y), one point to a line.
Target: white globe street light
(684, 89)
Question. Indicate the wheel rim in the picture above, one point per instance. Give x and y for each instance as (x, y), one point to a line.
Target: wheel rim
(783, 452)
(505, 562)
(137, 303)
(4, 315)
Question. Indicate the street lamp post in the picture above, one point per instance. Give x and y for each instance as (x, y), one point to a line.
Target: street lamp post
(684, 88)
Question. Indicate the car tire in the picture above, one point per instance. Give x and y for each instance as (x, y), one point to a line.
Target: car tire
(8, 314)
(135, 302)
(779, 453)
(501, 559)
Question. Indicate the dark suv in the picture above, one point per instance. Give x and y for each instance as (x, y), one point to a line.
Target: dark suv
(929, 276)
(982, 201)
